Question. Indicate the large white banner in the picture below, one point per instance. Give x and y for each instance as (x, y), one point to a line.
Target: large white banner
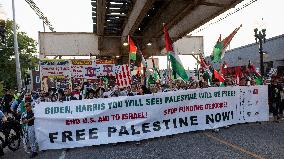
(119, 119)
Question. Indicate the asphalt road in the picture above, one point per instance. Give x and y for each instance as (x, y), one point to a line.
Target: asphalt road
(265, 140)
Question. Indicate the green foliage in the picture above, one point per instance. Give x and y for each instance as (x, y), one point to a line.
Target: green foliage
(1, 89)
(27, 49)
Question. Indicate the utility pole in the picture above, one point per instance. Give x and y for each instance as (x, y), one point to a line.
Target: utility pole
(260, 38)
(17, 58)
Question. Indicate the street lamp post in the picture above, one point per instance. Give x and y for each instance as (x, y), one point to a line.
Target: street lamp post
(260, 38)
(18, 65)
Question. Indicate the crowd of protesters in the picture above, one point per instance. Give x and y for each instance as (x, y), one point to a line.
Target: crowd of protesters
(89, 91)
(21, 104)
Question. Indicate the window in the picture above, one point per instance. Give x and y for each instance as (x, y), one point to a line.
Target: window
(37, 79)
(37, 68)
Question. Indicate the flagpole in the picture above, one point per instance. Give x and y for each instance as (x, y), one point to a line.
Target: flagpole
(168, 69)
(128, 52)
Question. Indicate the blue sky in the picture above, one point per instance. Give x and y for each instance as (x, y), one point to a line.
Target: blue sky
(75, 16)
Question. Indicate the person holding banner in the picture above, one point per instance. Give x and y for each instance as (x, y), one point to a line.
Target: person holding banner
(67, 96)
(29, 120)
(90, 94)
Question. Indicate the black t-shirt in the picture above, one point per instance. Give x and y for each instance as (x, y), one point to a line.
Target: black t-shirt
(7, 99)
(275, 92)
(29, 116)
(130, 94)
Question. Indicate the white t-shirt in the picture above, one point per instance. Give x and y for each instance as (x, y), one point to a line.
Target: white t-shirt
(107, 94)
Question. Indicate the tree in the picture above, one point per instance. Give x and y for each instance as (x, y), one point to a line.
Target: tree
(1, 89)
(27, 49)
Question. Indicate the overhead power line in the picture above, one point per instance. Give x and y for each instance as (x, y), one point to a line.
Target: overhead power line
(230, 13)
(40, 14)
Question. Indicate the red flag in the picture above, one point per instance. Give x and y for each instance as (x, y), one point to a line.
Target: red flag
(168, 41)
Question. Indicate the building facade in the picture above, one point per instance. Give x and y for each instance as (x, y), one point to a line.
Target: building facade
(273, 57)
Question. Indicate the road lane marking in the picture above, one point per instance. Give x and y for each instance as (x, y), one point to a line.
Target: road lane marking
(234, 146)
(63, 154)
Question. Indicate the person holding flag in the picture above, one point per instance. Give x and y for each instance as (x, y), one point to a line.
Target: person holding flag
(132, 53)
(176, 64)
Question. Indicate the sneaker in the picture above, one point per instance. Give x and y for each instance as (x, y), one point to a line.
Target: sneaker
(33, 155)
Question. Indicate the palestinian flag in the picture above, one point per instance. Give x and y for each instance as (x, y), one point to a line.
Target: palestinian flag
(221, 46)
(132, 49)
(143, 60)
(258, 80)
(151, 79)
(219, 77)
(176, 64)
(257, 77)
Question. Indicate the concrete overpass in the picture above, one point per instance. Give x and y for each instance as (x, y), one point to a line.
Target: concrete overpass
(113, 20)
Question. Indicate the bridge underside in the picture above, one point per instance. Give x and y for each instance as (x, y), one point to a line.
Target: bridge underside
(143, 19)
(113, 20)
